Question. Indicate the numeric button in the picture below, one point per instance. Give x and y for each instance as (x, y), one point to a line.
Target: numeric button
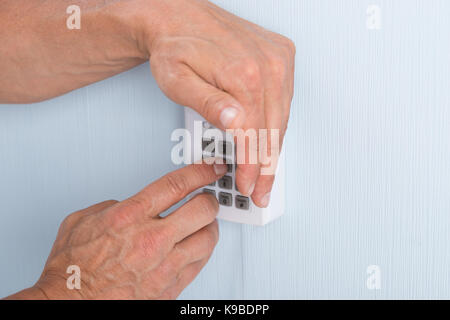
(225, 199)
(242, 202)
(226, 182)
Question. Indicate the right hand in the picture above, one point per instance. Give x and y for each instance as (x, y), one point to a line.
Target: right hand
(234, 73)
(125, 250)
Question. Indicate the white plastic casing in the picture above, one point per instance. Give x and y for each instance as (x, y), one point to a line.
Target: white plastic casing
(254, 215)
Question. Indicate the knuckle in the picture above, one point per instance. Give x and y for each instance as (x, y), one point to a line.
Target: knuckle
(277, 65)
(177, 184)
(208, 104)
(139, 203)
(133, 204)
(71, 219)
(125, 212)
(68, 219)
(251, 72)
(292, 47)
(289, 44)
(120, 218)
(286, 43)
(110, 202)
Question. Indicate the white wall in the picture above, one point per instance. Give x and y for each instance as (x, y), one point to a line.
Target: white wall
(368, 160)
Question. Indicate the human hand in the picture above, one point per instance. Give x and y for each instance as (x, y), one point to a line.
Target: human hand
(126, 251)
(234, 73)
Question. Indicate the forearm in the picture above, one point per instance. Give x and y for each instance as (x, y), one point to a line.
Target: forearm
(28, 294)
(41, 58)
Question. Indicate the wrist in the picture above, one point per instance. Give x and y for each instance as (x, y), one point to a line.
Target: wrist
(54, 287)
(153, 19)
(140, 22)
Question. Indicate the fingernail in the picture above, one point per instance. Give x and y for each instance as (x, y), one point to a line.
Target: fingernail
(227, 116)
(250, 190)
(220, 169)
(265, 200)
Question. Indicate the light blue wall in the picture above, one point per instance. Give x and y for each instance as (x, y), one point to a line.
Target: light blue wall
(368, 160)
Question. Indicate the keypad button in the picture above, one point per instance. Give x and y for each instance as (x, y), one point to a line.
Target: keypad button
(208, 147)
(242, 202)
(226, 148)
(225, 199)
(210, 191)
(226, 182)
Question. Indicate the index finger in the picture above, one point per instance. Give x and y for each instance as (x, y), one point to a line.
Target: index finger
(173, 187)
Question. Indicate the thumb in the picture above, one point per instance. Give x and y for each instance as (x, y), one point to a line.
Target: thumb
(217, 106)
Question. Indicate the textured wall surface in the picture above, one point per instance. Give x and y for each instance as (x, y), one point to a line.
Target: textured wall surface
(368, 160)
